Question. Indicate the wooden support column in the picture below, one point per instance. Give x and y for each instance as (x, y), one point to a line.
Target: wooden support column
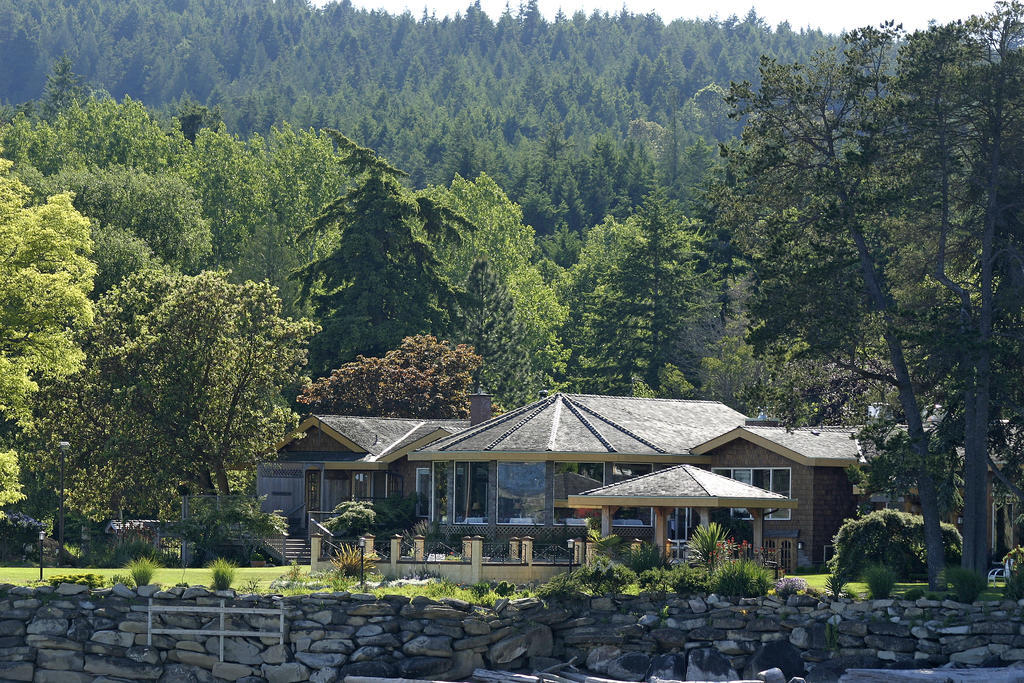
(606, 519)
(396, 554)
(705, 516)
(661, 530)
(758, 525)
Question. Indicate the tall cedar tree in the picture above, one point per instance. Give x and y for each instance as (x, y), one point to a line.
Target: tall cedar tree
(491, 327)
(643, 306)
(63, 88)
(382, 282)
(423, 378)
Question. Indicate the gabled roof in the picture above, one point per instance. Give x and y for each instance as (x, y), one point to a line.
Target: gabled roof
(821, 446)
(374, 439)
(682, 486)
(588, 424)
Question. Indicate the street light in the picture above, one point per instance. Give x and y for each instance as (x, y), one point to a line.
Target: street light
(362, 561)
(64, 445)
(572, 552)
(42, 535)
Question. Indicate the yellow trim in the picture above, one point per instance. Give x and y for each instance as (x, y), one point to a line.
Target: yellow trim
(356, 465)
(533, 456)
(768, 444)
(324, 427)
(681, 502)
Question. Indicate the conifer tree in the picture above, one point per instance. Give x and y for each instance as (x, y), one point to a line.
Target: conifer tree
(382, 282)
(491, 327)
(63, 88)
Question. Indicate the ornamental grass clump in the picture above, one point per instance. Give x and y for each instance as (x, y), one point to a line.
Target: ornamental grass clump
(222, 574)
(142, 570)
(967, 584)
(743, 579)
(707, 545)
(880, 580)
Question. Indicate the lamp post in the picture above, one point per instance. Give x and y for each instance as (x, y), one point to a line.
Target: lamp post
(572, 552)
(362, 562)
(64, 445)
(42, 535)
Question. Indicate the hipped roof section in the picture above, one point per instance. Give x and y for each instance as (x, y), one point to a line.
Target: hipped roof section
(589, 424)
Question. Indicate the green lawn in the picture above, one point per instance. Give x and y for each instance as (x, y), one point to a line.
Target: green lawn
(165, 577)
(860, 589)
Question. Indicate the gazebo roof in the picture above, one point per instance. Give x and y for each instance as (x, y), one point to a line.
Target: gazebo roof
(682, 486)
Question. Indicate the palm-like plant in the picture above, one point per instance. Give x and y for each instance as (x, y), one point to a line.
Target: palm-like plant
(706, 543)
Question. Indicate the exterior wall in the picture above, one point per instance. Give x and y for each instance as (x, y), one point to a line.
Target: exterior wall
(824, 494)
(315, 440)
(407, 471)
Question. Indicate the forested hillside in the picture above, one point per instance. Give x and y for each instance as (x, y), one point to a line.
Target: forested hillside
(572, 117)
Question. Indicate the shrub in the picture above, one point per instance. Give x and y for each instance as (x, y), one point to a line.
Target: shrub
(142, 570)
(744, 578)
(790, 585)
(880, 580)
(123, 579)
(17, 531)
(895, 538)
(967, 584)
(604, 577)
(354, 518)
(394, 514)
(222, 573)
(232, 526)
(915, 593)
(346, 560)
(561, 586)
(706, 545)
(1014, 588)
(643, 557)
(681, 579)
(90, 580)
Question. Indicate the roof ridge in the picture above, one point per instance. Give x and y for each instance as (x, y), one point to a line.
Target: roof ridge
(382, 417)
(650, 398)
(617, 426)
(473, 430)
(643, 476)
(537, 410)
(571, 405)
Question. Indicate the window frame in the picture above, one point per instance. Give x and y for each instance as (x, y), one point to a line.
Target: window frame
(783, 515)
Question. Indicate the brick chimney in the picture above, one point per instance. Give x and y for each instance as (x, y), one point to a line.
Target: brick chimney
(479, 407)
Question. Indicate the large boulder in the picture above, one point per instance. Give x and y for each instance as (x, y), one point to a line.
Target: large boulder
(533, 641)
(600, 657)
(708, 664)
(632, 666)
(423, 667)
(378, 668)
(668, 667)
(777, 654)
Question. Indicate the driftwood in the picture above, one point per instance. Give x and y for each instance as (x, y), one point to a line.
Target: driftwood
(488, 676)
(374, 679)
(1006, 675)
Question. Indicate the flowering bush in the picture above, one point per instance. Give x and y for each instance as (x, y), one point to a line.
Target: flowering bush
(790, 585)
(17, 530)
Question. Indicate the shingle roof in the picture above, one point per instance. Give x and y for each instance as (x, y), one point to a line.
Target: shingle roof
(683, 481)
(826, 443)
(379, 436)
(583, 423)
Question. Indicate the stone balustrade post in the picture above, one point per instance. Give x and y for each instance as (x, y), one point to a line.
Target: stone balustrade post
(467, 548)
(370, 538)
(591, 552)
(577, 551)
(635, 544)
(527, 550)
(476, 560)
(419, 544)
(513, 549)
(396, 553)
(315, 548)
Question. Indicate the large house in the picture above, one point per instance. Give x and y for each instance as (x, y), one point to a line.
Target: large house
(513, 475)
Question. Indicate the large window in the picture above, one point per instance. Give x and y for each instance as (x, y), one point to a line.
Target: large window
(423, 492)
(520, 492)
(471, 493)
(440, 500)
(627, 517)
(572, 478)
(775, 479)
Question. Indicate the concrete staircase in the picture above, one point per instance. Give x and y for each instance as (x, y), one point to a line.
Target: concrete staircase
(296, 548)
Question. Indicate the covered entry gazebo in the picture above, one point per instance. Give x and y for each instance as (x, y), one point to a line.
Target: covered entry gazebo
(682, 486)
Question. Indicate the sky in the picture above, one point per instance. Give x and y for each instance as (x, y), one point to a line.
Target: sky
(832, 16)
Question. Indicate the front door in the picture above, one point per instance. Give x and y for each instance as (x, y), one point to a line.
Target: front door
(312, 493)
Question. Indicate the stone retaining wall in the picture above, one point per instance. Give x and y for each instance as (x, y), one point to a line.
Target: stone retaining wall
(72, 635)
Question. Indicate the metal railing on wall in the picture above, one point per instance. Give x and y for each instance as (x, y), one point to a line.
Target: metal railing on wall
(221, 632)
